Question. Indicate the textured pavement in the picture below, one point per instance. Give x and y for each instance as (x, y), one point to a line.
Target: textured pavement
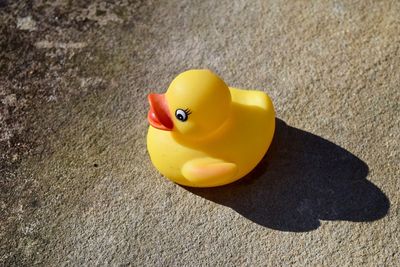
(77, 186)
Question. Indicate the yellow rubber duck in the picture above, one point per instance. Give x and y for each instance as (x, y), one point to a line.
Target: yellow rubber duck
(203, 133)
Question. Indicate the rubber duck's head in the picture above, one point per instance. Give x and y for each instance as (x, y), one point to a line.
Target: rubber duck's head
(196, 104)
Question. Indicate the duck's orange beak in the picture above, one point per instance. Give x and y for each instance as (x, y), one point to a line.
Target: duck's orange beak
(158, 116)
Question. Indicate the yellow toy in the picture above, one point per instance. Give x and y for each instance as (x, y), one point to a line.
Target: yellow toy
(203, 133)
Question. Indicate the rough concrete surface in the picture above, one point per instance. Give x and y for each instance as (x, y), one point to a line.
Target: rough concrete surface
(78, 188)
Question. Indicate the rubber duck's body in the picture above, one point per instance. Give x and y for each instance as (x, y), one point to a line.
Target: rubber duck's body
(206, 134)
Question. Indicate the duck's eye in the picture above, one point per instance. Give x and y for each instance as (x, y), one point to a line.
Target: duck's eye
(181, 114)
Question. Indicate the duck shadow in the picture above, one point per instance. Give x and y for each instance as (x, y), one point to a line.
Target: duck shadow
(302, 179)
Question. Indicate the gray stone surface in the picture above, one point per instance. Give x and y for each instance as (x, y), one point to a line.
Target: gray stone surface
(77, 186)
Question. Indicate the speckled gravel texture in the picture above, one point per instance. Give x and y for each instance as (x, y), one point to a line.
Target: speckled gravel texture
(77, 186)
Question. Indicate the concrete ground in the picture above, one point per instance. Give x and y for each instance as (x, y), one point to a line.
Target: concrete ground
(77, 186)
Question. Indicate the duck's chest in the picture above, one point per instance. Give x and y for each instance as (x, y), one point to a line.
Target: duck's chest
(164, 149)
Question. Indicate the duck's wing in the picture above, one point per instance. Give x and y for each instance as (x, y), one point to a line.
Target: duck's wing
(208, 171)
